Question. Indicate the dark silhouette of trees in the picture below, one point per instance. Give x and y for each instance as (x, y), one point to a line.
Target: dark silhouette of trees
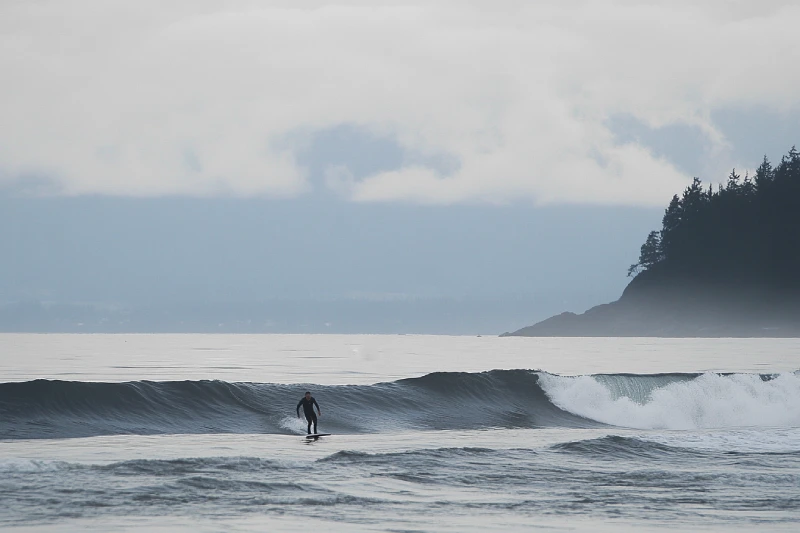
(744, 234)
(651, 253)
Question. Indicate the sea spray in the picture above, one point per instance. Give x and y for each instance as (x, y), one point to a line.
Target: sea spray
(670, 402)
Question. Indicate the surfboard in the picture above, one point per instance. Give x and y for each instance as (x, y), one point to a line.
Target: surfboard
(317, 435)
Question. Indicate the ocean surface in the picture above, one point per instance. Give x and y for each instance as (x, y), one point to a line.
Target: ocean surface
(430, 433)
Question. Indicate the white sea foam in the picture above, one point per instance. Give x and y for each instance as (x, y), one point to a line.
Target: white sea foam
(293, 424)
(29, 466)
(708, 401)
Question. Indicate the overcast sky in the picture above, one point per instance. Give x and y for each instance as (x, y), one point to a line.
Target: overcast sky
(529, 117)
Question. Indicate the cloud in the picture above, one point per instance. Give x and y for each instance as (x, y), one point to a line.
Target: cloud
(199, 98)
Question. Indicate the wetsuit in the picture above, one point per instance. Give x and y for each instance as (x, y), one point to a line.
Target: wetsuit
(308, 410)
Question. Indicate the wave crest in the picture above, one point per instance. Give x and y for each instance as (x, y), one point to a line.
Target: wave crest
(438, 401)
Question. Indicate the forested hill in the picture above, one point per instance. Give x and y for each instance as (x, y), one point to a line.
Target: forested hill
(726, 262)
(744, 232)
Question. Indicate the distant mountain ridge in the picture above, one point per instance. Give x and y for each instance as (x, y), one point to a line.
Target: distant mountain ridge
(726, 263)
(342, 316)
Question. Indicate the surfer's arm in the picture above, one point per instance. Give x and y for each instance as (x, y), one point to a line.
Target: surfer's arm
(298, 407)
(319, 413)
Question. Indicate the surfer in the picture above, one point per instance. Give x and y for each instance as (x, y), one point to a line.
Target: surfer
(308, 402)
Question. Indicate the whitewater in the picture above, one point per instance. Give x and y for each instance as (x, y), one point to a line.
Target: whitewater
(430, 433)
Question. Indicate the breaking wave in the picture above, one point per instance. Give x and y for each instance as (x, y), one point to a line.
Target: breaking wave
(680, 401)
(446, 400)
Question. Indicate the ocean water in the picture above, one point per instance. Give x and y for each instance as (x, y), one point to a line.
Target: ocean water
(443, 434)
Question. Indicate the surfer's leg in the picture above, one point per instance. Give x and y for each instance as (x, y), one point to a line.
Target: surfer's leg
(309, 424)
(314, 417)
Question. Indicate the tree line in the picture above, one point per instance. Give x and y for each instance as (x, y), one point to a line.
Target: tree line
(745, 232)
